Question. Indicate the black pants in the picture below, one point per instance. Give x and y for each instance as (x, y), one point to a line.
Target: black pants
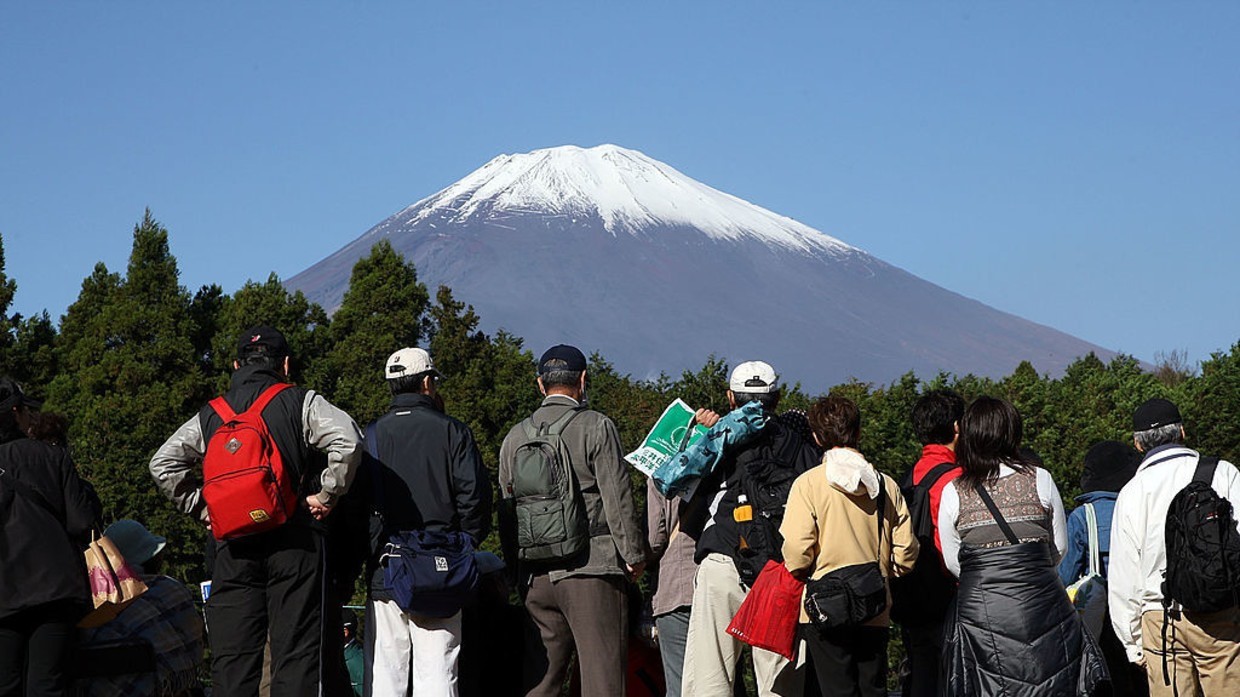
(36, 650)
(849, 661)
(923, 644)
(272, 584)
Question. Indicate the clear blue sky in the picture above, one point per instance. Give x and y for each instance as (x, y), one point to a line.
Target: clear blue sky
(1077, 164)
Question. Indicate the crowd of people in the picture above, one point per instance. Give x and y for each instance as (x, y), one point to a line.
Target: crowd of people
(996, 590)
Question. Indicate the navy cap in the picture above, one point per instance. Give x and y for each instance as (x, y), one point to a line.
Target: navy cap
(1155, 413)
(262, 339)
(572, 357)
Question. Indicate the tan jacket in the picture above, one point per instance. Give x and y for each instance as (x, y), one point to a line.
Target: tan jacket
(829, 522)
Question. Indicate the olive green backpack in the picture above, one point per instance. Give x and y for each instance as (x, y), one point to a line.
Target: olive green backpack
(551, 521)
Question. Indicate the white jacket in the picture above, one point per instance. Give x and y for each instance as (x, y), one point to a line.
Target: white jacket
(1138, 549)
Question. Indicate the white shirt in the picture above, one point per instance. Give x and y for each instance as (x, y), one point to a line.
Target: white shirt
(949, 511)
(1138, 558)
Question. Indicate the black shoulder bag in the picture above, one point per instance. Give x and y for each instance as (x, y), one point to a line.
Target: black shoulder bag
(852, 595)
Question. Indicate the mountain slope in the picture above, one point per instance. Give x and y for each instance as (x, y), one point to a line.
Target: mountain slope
(616, 252)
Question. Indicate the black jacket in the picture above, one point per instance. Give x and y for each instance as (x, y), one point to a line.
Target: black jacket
(1012, 631)
(46, 515)
(716, 497)
(430, 475)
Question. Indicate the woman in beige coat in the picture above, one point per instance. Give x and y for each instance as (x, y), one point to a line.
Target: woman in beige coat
(830, 523)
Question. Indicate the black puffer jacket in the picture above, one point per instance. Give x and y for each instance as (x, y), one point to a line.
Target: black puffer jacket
(1011, 631)
(46, 515)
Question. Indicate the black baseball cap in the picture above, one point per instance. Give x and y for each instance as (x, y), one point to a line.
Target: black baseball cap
(1155, 413)
(572, 356)
(12, 395)
(262, 339)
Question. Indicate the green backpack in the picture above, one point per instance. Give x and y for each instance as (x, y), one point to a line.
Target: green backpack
(551, 522)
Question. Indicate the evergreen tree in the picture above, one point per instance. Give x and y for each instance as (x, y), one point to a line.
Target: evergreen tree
(129, 379)
(33, 353)
(383, 310)
(9, 364)
(1211, 406)
(488, 383)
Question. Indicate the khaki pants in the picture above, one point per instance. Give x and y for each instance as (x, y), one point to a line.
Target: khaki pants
(711, 653)
(1203, 654)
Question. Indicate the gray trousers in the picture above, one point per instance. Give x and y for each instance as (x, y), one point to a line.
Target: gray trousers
(673, 631)
(588, 613)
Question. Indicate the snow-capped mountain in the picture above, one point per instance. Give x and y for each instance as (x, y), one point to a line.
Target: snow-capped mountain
(613, 251)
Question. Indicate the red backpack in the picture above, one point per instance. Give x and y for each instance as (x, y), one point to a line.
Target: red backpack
(245, 483)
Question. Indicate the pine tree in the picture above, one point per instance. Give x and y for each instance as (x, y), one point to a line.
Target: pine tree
(8, 288)
(129, 379)
(382, 311)
(489, 383)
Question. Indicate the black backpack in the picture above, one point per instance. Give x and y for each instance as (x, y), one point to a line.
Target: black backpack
(766, 481)
(922, 595)
(1203, 548)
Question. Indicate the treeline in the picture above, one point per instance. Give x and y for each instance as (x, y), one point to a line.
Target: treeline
(137, 354)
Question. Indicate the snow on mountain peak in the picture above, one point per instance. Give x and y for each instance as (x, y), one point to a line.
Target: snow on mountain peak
(627, 190)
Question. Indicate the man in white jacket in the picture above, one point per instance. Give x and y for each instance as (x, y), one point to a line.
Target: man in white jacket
(1202, 649)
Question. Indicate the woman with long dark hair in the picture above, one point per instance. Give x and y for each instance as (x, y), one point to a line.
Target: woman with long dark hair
(1012, 630)
(46, 515)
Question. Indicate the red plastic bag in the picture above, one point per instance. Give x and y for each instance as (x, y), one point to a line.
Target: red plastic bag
(768, 617)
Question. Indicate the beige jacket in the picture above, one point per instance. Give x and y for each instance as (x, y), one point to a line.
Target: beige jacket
(829, 522)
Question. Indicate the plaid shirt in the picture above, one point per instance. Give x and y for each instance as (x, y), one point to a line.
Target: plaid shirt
(166, 617)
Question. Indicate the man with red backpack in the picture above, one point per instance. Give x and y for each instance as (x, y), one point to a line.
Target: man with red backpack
(261, 446)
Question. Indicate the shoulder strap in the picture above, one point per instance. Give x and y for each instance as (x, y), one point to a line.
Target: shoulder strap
(994, 513)
(880, 509)
(1095, 551)
(558, 426)
(221, 407)
(225, 410)
(265, 398)
(1205, 469)
(935, 474)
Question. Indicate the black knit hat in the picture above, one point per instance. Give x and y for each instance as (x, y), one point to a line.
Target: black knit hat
(1109, 465)
(1155, 413)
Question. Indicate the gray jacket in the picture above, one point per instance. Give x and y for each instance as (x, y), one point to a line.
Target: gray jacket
(325, 428)
(616, 536)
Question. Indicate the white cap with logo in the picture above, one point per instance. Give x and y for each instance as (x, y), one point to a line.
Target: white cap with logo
(409, 361)
(754, 377)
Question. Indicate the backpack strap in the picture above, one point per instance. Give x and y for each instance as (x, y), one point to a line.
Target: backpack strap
(558, 426)
(265, 398)
(996, 514)
(221, 407)
(225, 410)
(1205, 469)
(935, 474)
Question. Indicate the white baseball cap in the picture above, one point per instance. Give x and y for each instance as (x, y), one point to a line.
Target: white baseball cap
(753, 377)
(409, 361)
